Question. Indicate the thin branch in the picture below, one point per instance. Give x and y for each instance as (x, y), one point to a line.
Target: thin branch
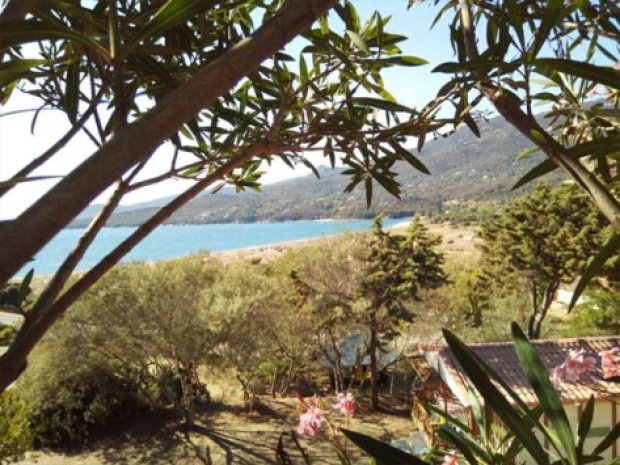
(90, 135)
(49, 153)
(167, 175)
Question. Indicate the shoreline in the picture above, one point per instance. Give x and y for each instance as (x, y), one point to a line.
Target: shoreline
(455, 240)
(269, 248)
(272, 250)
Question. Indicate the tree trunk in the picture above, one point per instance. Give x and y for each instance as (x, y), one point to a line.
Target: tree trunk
(533, 327)
(245, 386)
(188, 396)
(373, 345)
(274, 383)
(531, 322)
(338, 381)
(247, 405)
(476, 312)
(290, 375)
(550, 294)
(339, 376)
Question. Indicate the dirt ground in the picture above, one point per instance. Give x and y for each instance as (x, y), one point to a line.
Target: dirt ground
(230, 436)
(456, 240)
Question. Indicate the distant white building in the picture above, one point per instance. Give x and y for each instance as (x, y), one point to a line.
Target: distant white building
(11, 319)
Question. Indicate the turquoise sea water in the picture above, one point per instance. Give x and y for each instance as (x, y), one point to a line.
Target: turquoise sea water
(176, 241)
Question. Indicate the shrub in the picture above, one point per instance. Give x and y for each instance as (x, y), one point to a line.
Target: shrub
(6, 334)
(600, 314)
(83, 406)
(15, 432)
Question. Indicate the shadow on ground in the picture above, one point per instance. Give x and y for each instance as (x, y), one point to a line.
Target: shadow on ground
(226, 435)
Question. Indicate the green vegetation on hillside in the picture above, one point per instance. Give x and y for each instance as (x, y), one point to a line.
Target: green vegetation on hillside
(467, 175)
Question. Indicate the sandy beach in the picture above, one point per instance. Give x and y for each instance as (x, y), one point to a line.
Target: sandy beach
(455, 240)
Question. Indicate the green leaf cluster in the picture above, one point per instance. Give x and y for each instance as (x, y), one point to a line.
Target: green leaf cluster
(400, 265)
(15, 428)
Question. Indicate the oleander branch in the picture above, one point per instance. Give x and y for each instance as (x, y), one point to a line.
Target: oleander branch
(26, 235)
(508, 105)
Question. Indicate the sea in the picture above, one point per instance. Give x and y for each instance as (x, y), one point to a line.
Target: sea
(170, 241)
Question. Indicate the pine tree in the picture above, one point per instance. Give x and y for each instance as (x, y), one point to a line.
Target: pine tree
(544, 239)
(398, 266)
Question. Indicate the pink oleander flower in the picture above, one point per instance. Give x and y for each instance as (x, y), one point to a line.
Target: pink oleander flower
(575, 364)
(610, 362)
(449, 459)
(557, 375)
(311, 421)
(345, 404)
(617, 65)
(593, 93)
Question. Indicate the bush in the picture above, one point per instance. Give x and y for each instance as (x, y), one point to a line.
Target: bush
(600, 314)
(83, 406)
(6, 335)
(15, 432)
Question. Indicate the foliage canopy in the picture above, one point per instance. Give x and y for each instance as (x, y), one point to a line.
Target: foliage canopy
(547, 238)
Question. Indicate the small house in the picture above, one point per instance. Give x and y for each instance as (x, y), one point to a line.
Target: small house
(446, 385)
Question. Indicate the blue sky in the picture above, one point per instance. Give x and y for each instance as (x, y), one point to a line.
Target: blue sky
(413, 86)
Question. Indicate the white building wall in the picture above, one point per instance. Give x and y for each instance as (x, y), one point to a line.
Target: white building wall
(603, 420)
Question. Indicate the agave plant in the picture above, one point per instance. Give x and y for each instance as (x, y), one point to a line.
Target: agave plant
(494, 444)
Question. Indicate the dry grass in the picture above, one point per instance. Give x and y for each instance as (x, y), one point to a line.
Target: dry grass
(455, 240)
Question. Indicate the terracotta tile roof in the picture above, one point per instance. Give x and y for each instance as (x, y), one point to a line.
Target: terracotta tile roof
(503, 359)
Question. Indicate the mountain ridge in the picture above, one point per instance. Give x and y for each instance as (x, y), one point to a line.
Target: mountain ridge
(464, 170)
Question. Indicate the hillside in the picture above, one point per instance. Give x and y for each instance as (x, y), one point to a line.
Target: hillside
(464, 169)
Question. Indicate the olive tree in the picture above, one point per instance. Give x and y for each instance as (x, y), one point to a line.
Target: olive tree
(259, 335)
(327, 279)
(144, 322)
